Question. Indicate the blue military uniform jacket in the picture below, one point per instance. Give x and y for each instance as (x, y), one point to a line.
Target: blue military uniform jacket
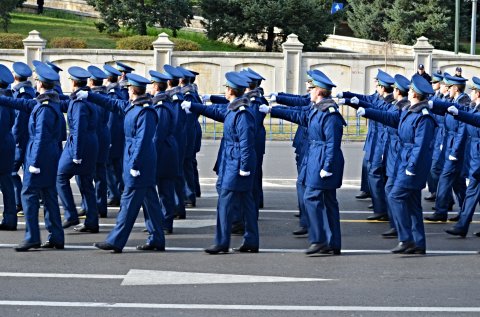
(140, 128)
(44, 135)
(115, 124)
(238, 152)
(103, 134)
(325, 129)
(257, 99)
(165, 142)
(190, 94)
(176, 97)
(20, 128)
(7, 143)
(82, 142)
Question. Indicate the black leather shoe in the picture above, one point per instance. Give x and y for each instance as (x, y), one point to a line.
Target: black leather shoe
(216, 249)
(370, 206)
(363, 195)
(391, 233)
(167, 231)
(82, 213)
(415, 250)
(436, 218)
(297, 215)
(454, 218)
(403, 246)
(113, 203)
(4, 227)
(378, 217)
(477, 234)
(431, 197)
(52, 245)
(315, 248)
(180, 216)
(25, 246)
(456, 232)
(103, 215)
(107, 247)
(189, 204)
(246, 248)
(331, 251)
(68, 223)
(300, 232)
(19, 208)
(83, 228)
(148, 247)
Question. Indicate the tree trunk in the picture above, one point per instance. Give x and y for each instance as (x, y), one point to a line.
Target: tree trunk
(142, 21)
(270, 39)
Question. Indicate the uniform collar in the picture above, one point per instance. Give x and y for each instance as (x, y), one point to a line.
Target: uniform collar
(401, 104)
(324, 104)
(22, 84)
(253, 93)
(73, 95)
(187, 89)
(142, 100)
(49, 95)
(161, 96)
(100, 89)
(238, 102)
(5, 92)
(419, 106)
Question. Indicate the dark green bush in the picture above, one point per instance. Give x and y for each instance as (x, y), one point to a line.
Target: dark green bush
(67, 42)
(11, 40)
(137, 42)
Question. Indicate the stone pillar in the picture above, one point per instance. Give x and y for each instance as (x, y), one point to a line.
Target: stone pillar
(34, 46)
(162, 51)
(292, 59)
(423, 54)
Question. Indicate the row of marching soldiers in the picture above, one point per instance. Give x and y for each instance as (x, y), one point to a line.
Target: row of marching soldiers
(156, 166)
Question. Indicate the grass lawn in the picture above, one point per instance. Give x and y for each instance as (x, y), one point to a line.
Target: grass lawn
(55, 23)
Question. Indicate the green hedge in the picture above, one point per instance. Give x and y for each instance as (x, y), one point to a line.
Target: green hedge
(138, 42)
(11, 40)
(67, 42)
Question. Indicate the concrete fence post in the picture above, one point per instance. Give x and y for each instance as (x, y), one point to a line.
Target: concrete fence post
(423, 51)
(34, 46)
(292, 59)
(162, 51)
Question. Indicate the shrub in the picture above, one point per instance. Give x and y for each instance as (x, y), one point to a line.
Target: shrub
(137, 42)
(185, 45)
(11, 40)
(67, 42)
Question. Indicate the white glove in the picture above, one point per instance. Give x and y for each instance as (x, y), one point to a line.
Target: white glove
(430, 104)
(452, 158)
(206, 98)
(243, 173)
(134, 173)
(33, 170)
(186, 106)
(409, 173)
(340, 95)
(82, 94)
(265, 108)
(273, 94)
(441, 147)
(453, 110)
(355, 101)
(324, 173)
(273, 98)
(77, 161)
(360, 111)
(341, 101)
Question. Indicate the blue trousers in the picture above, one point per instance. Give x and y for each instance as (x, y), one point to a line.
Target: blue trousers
(189, 183)
(17, 182)
(131, 201)
(198, 191)
(114, 178)
(258, 182)
(53, 222)
(101, 188)
(449, 179)
(9, 211)
(179, 198)
(376, 182)
(323, 217)
(472, 198)
(85, 184)
(230, 203)
(407, 209)
(166, 195)
(388, 188)
(301, 205)
(364, 181)
(435, 171)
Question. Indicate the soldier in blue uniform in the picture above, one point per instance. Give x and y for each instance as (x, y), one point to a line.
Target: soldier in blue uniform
(41, 160)
(236, 170)
(58, 87)
(174, 91)
(21, 88)
(122, 81)
(416, 128)
(198, 141)
(452, 176)
(190, 94)
(7, 150)
(322, 165)
(139, 167)
(166, 146)
(79, 155)
(117, 137)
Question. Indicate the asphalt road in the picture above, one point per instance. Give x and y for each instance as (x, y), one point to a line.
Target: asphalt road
(367, 280)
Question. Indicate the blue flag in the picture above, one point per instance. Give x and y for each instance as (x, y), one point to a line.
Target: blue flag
(336, 6)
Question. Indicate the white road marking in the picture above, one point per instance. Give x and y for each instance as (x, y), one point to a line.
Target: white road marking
(242, 307)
